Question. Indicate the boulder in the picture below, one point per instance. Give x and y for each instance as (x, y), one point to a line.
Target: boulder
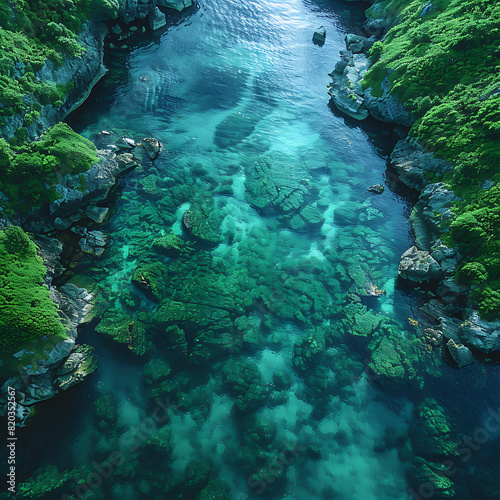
(480, 334)
(345, 89)
(152, 147)
(157, 19)
(428, 215)
(175, 4)
(413, 163)
(80, 363)
(461, 354)
(93, 242)
(320, 34)
(387, 108)
(377, 189)
(418, 265)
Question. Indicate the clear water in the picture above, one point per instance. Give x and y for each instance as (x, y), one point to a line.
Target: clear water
(227, 83)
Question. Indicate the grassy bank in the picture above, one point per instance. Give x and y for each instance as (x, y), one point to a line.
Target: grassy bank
(442, 60)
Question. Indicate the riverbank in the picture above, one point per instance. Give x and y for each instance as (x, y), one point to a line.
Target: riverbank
(441, 264)
(39, 365)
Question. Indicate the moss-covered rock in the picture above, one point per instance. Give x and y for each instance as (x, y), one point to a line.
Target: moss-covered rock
(149, 278)
(172, 245)
(278, 184)
(214, 491)
(201, 221)
(106, 410)
(27, 313)
(81, 362)
(432, 432)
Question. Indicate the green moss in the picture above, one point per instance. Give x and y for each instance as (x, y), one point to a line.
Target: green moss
(442, 63)
(26, 311)
(29, 172)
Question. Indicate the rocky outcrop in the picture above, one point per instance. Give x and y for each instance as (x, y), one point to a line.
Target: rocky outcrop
(413, 163)
(432, 209)
(74, 201)
(80, 363)
(480, 334)
(345, 88)
(152, 147)
(417, 265)
(81, 72)
(140, 9)
(386, 108)
(37, 379)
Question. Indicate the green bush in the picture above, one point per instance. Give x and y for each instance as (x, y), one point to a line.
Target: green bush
(26, 311)
(29, 171)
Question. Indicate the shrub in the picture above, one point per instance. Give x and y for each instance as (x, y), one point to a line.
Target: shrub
(26, 311)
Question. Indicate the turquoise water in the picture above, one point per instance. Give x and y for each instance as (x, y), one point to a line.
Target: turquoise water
(236, 92)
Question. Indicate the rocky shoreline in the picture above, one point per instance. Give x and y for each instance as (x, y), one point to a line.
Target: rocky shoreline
(428, 266)
(50, 368)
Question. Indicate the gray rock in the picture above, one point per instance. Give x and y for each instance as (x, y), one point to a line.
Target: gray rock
(99, 179)
(80, 363)
(440, 252)
(152, 147)
(97, 214)
(417, 265)
(320, 34)
(157, 20)
(429, 213)
(461, 354)
(412, 163)
(449, 266)
(93, 242)
(480, 334)
(345, 88)
(175, 4)
(49, 250)
(387, 108)
(340, 66)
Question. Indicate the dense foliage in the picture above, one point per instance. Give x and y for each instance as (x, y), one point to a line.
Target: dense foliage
(26, 311)
(442, 60)
(28, 172)
(32, 32)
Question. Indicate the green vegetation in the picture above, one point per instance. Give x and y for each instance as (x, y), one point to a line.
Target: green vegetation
(26, 311)
(441, 60)
(32, 32)
(28, 172)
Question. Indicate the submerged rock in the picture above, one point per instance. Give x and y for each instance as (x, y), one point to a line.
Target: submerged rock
(149, 278)
(80, 363)
(278, 184)
(152, 146)
(432, 432)
(172, 245)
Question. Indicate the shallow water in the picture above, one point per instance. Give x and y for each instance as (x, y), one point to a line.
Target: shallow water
(228, 84)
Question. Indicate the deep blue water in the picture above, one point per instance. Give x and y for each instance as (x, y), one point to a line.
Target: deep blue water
(254, 62)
